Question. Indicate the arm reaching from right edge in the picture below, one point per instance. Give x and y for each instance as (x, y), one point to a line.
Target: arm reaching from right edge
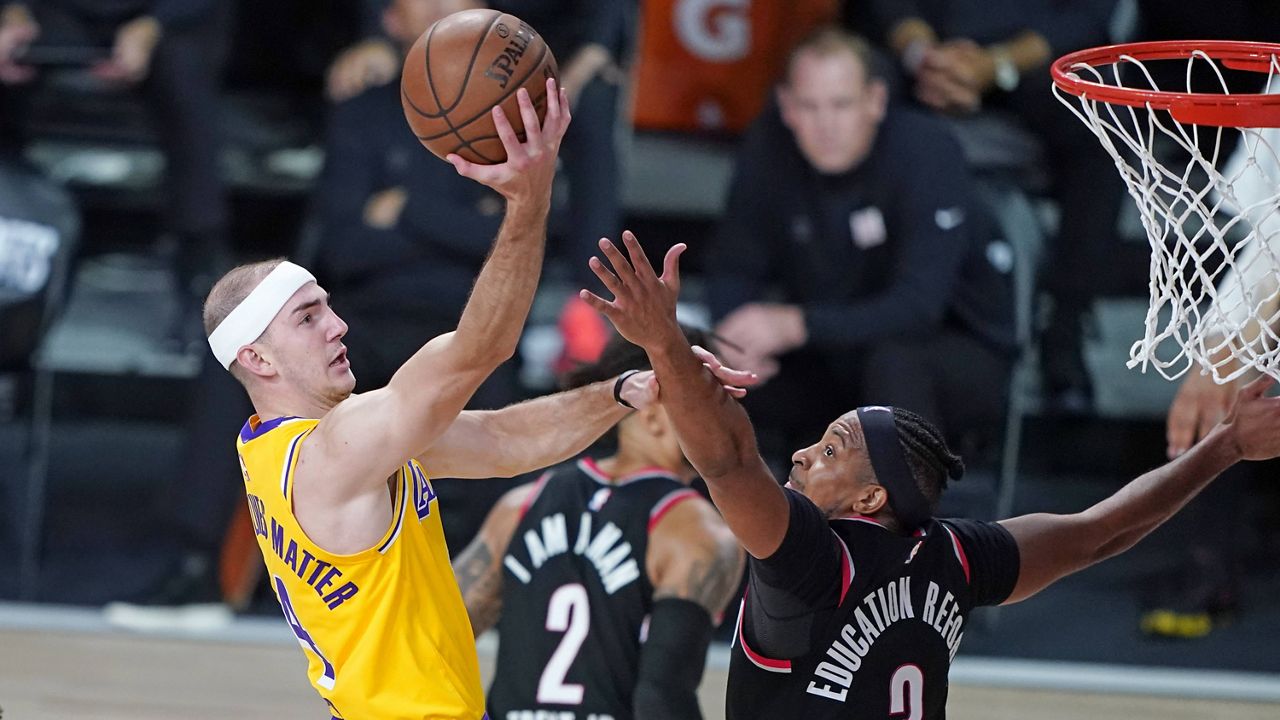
(1054, 546)
(714, 430)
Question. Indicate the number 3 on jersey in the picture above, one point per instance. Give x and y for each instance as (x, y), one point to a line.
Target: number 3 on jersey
(568, 612)
(906, 693)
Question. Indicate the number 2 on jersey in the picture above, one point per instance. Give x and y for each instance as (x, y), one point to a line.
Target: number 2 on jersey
(906, 692)
(570, 613)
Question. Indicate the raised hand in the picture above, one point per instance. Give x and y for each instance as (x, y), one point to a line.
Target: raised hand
(530, 165)
(643, 308)
(1255, 421)
(1199, 405)
(130, 60)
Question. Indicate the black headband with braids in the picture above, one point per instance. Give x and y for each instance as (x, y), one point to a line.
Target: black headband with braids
(892, 437)
(890, 465)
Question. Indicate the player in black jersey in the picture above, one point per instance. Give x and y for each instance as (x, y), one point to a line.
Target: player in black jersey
(603, 577)
(858, 597)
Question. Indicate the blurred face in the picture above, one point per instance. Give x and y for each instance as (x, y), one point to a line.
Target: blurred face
(651, 433)
(405, 20)
(304, 346)
(832, 109)
(835, 471)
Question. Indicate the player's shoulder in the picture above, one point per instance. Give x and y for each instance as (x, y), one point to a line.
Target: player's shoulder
(685, 514)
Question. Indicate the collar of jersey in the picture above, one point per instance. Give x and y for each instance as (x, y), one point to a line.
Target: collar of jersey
(252, 430)
(589, 466)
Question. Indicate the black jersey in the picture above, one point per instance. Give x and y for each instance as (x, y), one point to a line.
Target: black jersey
(576, 596)
(851, 620)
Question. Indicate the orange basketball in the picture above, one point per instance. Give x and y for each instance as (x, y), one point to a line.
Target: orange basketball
(460, 68)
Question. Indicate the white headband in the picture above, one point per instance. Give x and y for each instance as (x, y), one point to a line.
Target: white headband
(251, 317)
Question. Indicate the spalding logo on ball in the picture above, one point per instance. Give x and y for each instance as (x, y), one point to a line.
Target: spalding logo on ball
(462, 67)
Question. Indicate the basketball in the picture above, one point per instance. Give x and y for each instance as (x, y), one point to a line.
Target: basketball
(462, 67)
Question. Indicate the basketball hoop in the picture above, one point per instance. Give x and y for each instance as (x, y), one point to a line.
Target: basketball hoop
(1214, 228)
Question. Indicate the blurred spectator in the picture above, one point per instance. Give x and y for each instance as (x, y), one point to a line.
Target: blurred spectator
(402, 236)
(172, 50)
(374, 59)
(591, 41)
(966, 56)
(861, 217)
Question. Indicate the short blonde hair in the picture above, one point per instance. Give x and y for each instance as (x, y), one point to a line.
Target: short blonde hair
(829, 40)
(231, 290)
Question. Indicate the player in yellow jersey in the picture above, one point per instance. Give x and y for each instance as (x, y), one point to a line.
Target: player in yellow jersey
(338, 483)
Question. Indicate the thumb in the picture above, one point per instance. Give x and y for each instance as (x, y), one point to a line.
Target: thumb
(1257, 388)
(671, 266)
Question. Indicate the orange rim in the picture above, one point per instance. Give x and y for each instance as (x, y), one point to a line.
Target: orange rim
(1220, 109)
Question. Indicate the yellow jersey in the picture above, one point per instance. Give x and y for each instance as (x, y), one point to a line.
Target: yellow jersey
(385, 630)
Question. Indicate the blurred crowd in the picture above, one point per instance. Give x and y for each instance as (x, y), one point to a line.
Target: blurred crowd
(861, 248)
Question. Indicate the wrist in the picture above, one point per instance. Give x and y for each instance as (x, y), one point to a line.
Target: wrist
(524, 208)
(909, 31)
(912, 55)
(1223, 446)
(618, 385)
(1004, 73)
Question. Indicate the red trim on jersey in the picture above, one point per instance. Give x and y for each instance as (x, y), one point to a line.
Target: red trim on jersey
(760, 661)
(863, 518)
(964, 559)
(665, 505)
(533, 496)
(846, 569)
(592, 468)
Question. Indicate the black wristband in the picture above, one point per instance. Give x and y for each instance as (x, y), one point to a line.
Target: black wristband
(617, 389)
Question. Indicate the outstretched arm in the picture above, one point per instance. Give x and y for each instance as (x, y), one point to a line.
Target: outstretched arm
(533, 434)
(1054, 546)
(544, 431)
(478, 568)
(365, 438)
(714, 430)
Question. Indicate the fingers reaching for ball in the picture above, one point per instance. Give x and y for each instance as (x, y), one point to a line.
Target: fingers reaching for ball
(530, 165)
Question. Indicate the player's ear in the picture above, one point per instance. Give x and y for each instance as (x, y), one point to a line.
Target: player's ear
(869, 499)
(254, 362)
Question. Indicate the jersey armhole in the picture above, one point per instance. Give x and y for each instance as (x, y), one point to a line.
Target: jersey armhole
(668, 503)
(740, 636)
(961, 557)
(533, 496)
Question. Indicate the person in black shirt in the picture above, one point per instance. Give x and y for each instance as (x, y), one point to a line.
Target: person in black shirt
(642, 564)
(172, 51)
(402, 236)
(862, 217)
(858, 597)
(990, 59)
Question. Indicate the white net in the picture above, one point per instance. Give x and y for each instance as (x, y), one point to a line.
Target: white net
(1214, 227)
